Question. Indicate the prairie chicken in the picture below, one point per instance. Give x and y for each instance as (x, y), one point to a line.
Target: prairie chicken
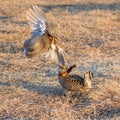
(41, 41)
(74, 82)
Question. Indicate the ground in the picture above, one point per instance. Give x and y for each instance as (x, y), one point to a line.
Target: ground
(89, 31)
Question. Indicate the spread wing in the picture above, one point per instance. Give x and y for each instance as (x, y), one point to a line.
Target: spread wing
(37, 20)
(57, 54)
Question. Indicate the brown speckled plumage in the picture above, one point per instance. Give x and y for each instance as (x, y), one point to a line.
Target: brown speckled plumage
(41, 41)
(75, 82)
(37, 45)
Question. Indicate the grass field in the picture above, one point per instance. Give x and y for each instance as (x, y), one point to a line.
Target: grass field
(89, 31)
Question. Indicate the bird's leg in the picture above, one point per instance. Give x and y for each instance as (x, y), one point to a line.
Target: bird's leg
(64, 93)
(68, 95)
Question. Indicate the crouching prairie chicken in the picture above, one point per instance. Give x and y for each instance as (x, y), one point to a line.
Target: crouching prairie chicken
(73, 82)
(41, 41)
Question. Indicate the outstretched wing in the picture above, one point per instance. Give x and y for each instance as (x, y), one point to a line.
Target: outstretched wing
(62, 57)
(57, 54)
(37, 20)
(52, 53)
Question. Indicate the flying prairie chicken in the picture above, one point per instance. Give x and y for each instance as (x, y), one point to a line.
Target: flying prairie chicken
(42, 42)
(73, 82)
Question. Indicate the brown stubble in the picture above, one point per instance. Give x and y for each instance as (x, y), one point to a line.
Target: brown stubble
(89, 32)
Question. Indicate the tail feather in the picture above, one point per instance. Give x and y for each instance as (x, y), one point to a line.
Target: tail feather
(37, 20)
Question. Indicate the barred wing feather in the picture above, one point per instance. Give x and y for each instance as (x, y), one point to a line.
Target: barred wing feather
(37, 20)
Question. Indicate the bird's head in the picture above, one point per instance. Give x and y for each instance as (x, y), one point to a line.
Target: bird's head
(65, 70)
(53, 39)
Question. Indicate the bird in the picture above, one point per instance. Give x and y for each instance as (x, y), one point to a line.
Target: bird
(41, 41)
(72, 82)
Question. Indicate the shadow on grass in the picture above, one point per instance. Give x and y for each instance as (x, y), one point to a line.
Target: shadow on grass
(76, 8)
(9, 47)
(40, 89)
(47, 90)
(4, 84)
(108, 113)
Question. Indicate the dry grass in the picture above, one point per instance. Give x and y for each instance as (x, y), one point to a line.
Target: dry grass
(29, 88)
